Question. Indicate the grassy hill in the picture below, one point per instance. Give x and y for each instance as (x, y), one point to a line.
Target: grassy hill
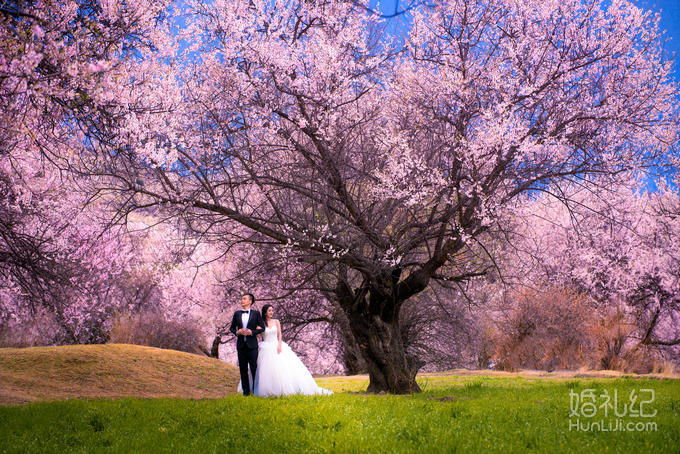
(111, 370)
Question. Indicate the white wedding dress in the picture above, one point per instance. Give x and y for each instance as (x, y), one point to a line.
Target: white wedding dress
(280, 374)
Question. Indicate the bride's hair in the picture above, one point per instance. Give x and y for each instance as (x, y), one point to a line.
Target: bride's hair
(265, 308)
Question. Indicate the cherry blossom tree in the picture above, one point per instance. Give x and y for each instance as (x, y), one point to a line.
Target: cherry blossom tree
(383, 165)
(55, 254)
(620, 251)
(64, 70)
(386, 163)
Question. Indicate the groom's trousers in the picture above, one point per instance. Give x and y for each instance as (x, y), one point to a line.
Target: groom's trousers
(247, 357)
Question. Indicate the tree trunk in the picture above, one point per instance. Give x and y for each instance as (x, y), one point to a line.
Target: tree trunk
(215, 349)
(374, 321)
(352, 359)
(389, 368)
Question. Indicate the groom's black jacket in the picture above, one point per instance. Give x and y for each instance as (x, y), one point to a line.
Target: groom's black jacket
(255, 324)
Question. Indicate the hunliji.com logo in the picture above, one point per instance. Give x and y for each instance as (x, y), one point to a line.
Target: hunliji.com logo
(607, 412)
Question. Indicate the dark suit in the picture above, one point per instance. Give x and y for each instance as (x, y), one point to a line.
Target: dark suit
(246, 346)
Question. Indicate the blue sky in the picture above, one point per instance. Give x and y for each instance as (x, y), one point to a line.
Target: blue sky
(670, 20)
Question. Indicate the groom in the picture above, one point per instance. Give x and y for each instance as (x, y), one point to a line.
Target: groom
(247, 324)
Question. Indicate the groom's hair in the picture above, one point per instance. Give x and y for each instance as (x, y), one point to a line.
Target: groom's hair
(252, 298)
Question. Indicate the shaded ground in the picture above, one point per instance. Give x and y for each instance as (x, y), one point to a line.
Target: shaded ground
(109, 371)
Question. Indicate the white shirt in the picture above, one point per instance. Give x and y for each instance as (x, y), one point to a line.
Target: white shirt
(245, 316)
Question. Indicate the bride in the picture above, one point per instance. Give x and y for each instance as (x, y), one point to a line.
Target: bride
(279, 370)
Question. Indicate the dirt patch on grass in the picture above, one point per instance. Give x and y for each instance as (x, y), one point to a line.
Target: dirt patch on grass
(451, 398)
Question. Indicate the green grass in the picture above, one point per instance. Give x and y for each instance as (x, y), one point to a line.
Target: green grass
(454, 413)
